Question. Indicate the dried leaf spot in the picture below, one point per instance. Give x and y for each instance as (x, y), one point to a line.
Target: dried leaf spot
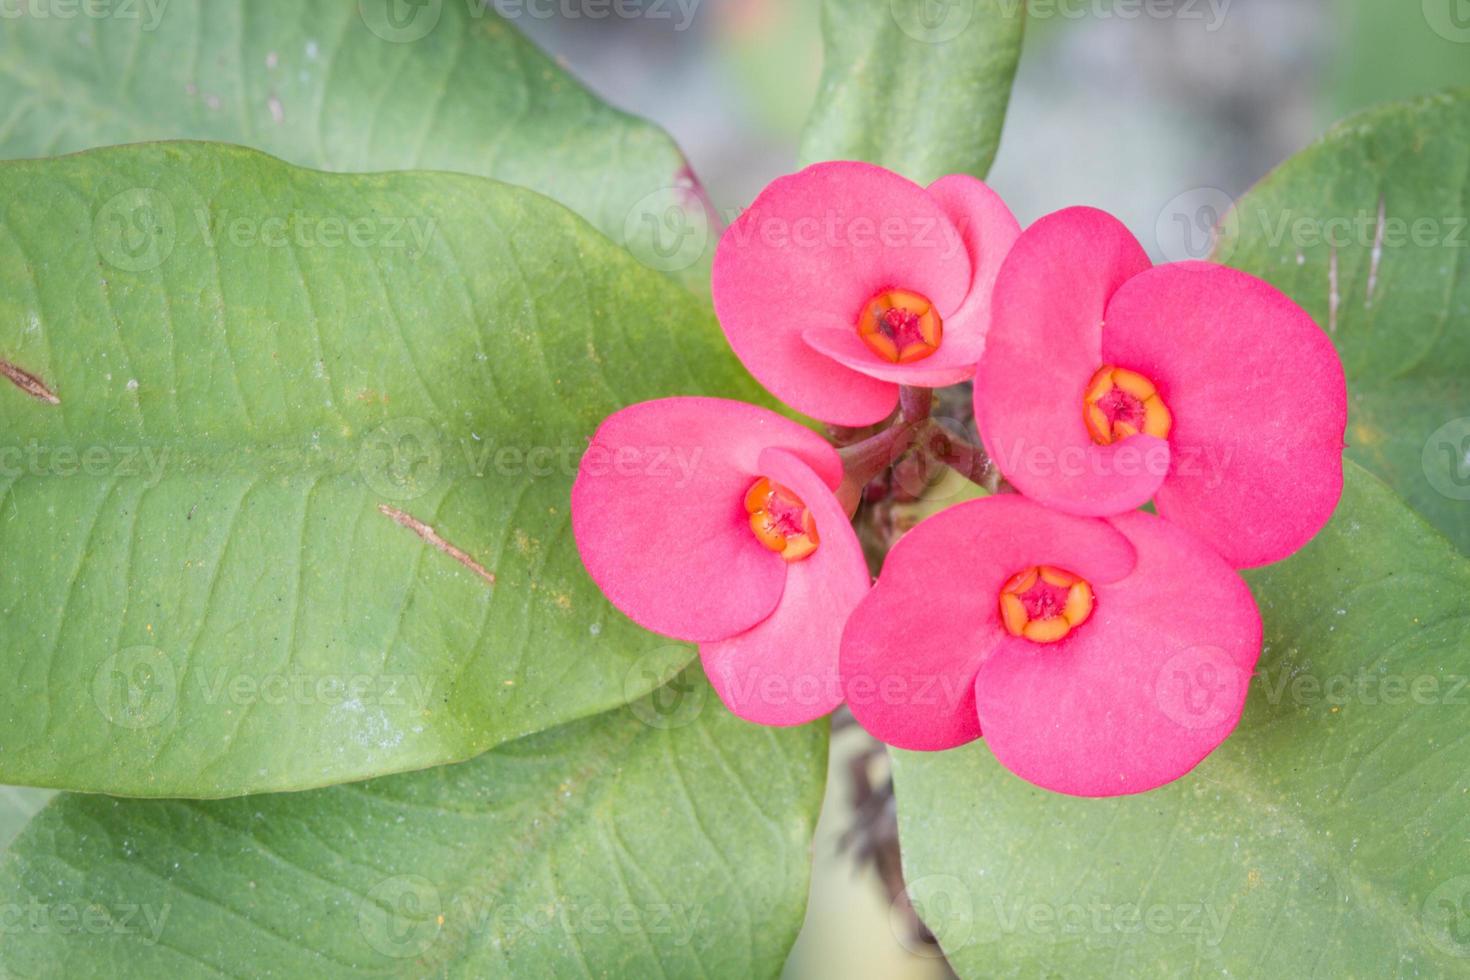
(429, 535)
(28, 383)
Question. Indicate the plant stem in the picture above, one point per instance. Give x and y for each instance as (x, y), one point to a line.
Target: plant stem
(915, 403)
(968, 460)
(863, 461)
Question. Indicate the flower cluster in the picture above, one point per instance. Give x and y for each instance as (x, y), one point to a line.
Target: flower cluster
(1100, 649)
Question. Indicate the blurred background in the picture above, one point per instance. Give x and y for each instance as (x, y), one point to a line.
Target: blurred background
(1120, 104)
(1157, 111)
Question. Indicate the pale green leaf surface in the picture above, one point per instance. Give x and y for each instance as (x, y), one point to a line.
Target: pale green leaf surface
(667, 838)
(1369, 230)
(1328, 837)
(210, 586)
(17, 805)
(915, 86)
(342, 85)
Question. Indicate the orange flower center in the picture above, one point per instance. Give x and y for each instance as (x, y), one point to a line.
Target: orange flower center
(900, 326)
(1044, 603)
(780, 520)
(1120, 403)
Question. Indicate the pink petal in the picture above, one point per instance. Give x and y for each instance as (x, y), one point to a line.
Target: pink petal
(1140, 692)
(813, 248)
(783, 671)
(659, 518)
(1259, 403)
(989, 230)
(1045, 344)
(913, 645)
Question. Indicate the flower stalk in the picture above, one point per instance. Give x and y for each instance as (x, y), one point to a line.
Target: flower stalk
(862, 462)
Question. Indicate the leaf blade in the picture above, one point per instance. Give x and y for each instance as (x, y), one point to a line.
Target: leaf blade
(241, 417)
(339, 86)
(918, 88)
(629, 842)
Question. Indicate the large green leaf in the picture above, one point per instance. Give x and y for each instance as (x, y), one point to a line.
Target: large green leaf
(1326, 838)
(1370, 231)
(915, 86)
(667, 838)
(303, 418)
(359, 85)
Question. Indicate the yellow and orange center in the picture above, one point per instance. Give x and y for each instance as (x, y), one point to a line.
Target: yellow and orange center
(900, 326)
(1120, 403)
(1044, 603)
(780, 520)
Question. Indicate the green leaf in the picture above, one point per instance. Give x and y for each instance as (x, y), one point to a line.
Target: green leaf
(353, 86)
(915, 86)
(1370, 231)
(667, 838)
(1325, 838)
(17, 805)
(303, 418)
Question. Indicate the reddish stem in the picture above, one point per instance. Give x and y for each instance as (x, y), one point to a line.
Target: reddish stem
(915, 403)
(968, 460)
(863, 461)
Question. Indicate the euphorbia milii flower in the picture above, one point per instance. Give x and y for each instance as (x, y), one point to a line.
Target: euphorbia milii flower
(845, 280)
(1107, 382)
(714, 521)
(1098, 657)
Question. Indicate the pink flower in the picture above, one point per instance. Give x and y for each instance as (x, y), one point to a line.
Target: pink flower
(713, 521)
(1106, 383)
(1100, 657)
(845, 280)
